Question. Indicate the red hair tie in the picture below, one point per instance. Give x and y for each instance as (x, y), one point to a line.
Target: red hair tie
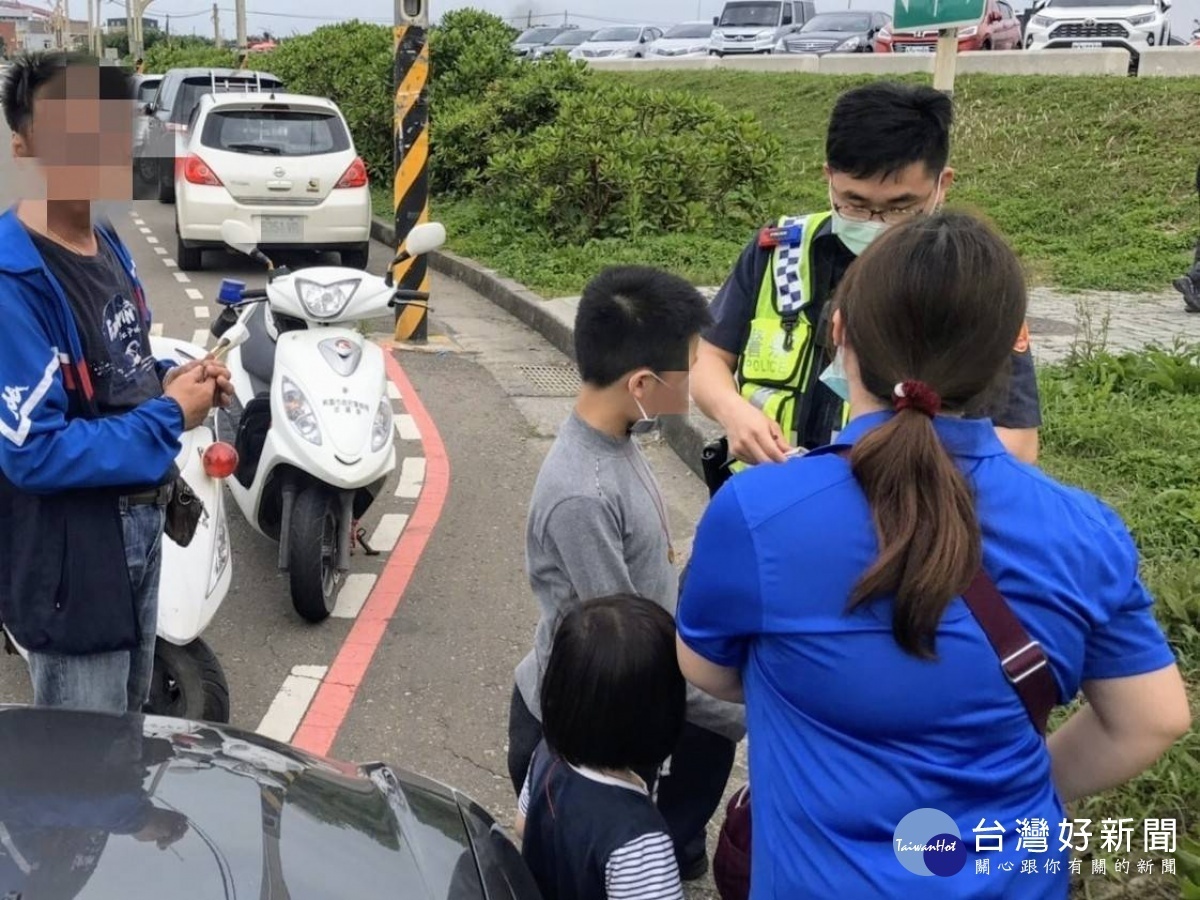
(917, 395)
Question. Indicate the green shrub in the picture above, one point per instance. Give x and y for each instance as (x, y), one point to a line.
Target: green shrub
(350, 63)
(621, 161)
(467, 131)
(469, 50)
(179, 55)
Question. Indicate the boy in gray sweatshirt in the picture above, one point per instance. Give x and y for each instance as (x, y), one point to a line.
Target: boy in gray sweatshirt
(598, 523)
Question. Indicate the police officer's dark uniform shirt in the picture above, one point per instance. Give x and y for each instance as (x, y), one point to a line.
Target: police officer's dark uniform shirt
(116, 339)
(733, 311)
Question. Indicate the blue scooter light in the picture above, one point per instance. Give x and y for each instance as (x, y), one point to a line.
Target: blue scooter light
(231, 291)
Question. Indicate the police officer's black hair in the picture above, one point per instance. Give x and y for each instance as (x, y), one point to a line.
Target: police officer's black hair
(879, 129)
(613, 696)
(632, 317)
(30, 73)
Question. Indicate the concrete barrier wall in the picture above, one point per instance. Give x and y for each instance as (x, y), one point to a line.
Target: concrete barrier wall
(1169, 62)
(1176, 61)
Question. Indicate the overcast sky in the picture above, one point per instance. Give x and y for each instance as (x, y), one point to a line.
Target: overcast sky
(187, 16)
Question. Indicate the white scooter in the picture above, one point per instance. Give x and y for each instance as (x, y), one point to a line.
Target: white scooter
(311, 419)
(188, 680)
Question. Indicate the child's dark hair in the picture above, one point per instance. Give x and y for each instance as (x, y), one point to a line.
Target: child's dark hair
(635, 316)
(612, 694)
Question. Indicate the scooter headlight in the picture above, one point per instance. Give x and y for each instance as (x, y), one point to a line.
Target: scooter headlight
(300, 413)
(326, 301)
(381, 429)
(221, 551)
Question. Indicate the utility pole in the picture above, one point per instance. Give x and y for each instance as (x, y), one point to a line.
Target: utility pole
(239, 9)
(410, 157)
(216, 17)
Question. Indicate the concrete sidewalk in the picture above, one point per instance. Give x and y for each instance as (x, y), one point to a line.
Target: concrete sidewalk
(1058, 322)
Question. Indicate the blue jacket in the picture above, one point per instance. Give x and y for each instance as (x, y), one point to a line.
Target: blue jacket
(62, 467)
(44, 448)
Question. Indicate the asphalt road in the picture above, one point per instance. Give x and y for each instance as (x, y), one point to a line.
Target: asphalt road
(434, 698)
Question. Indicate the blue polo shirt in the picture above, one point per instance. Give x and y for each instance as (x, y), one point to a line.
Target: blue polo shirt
(848, 734)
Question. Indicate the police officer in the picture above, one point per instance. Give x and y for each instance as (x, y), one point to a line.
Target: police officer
(766, 370)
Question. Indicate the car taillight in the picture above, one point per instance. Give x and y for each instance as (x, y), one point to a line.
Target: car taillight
(355, 177)
(196, 171)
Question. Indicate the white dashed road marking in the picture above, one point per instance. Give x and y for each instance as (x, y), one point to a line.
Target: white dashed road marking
(291, 703)
(200, 337)
(182, 278)
(388, 531)
(161, 251)
(201, 312)
(145, 230)
(170, 263)
(195, 294)
(406, 427)
(353, 595)
(152, 240)
(412, 476)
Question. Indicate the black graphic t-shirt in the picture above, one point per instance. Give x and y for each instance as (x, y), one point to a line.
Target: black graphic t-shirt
(116, 339)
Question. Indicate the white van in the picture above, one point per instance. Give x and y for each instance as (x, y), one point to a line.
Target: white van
(756, 26)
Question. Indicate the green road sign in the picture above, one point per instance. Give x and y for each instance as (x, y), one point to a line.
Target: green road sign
(933, 15)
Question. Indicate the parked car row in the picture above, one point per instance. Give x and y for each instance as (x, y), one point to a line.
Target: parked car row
(232, 143)
(747, 27)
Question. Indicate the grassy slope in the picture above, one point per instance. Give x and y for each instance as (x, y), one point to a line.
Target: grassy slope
(1091, 178)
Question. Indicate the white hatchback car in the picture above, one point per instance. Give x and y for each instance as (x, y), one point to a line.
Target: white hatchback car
(285, 164)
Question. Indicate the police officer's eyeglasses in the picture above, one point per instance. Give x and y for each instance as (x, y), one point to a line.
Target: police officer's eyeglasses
(887, 216)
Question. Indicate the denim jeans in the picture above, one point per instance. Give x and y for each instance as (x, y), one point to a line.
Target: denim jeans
(120, 681)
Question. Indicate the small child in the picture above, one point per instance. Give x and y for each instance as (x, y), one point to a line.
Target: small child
(613, 704)
(1189, 284)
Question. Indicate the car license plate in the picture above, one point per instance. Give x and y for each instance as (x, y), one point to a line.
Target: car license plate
(1087, 45)
(916, 48)
(282, 228)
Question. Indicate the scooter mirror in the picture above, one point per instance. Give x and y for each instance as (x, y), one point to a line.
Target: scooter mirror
(239, 236)
(425, 238)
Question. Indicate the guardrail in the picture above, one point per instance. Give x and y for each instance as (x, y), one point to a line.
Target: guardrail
(1177, 61)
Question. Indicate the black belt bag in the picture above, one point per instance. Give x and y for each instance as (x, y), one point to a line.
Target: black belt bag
(184, 512)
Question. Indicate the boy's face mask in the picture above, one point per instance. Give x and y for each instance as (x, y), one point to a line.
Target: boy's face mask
(651, 423)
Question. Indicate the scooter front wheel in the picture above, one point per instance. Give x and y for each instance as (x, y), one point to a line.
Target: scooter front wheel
(188, 683)
(313, 545)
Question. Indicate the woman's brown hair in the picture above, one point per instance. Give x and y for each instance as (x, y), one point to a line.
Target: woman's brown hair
(941, 301)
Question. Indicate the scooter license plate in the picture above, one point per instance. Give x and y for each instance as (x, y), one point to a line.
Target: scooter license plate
(1087, 45)
(282, 228)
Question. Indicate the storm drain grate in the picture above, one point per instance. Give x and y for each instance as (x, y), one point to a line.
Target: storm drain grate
(552, 379)
(1038, 325)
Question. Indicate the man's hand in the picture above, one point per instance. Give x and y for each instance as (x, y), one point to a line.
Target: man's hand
(213, 370)
(195, 393)
(753, 436)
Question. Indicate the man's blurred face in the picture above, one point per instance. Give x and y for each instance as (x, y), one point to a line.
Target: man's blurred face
(83, 145)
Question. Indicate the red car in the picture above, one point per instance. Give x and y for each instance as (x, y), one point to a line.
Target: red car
(1000, 29)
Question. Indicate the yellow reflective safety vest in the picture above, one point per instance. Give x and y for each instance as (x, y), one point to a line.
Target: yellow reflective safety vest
(777, 364)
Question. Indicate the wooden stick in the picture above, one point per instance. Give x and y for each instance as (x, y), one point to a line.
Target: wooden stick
(945, 60)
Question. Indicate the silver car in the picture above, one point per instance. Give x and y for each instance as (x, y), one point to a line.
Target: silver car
(144, 89)
(621, 42)
(683, 41)
(564, 43)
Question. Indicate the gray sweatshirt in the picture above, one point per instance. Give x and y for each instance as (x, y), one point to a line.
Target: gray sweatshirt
(595, 529)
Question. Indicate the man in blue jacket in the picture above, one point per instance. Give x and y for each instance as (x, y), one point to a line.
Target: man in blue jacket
(90, 422)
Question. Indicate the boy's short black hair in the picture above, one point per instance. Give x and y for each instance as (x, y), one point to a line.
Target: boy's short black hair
(635, 316)
(879, 129)
(30, 72)
(612, 693)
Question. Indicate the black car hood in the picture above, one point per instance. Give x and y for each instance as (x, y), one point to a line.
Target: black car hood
(102, 807)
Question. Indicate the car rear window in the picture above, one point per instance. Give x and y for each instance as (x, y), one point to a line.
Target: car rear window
(275, 132)
(194, 88)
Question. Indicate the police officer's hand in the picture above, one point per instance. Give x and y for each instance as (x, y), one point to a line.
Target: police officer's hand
(753, 436)
(195, 393)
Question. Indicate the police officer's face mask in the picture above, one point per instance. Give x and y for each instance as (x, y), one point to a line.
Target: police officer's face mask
(858, 235)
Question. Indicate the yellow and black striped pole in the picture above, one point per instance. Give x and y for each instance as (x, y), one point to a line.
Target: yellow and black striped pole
(410, 158)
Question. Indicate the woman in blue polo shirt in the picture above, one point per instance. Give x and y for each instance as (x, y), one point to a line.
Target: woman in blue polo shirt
(827, 593)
